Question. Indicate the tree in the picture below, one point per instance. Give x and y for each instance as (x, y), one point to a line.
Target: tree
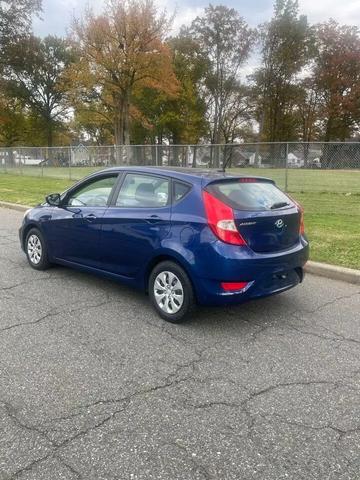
(180, 119)
(34, 75)
(286, 46)
(225, 40)
(121, 51)
(308, 109)
(13, 121)
(336, 75)
(15, 19)
(92, 122)
(15, 23)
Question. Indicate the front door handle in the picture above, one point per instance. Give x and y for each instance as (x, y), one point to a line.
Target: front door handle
(91, 217)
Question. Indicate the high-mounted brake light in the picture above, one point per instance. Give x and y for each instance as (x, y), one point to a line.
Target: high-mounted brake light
(248, 180)
(221, 220)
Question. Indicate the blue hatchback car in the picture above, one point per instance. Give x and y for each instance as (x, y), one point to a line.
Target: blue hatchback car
(184, 236)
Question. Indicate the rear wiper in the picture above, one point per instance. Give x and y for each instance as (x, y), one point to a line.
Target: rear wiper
(279, 205)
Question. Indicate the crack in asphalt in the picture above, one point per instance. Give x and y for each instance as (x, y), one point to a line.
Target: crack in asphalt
(31, 282)
(169, 381)
(341, 432)
(336, 338)
(181, 373)
(69, 467)
(29, 467)
(300, 317)
(197, 465)
(11, 412)
(56, 312)
(332, 302)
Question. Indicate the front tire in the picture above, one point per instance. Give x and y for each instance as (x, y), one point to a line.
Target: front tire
(36, 250)
(171, 292)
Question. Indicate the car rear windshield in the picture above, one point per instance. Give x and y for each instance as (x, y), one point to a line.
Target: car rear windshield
(249, 194)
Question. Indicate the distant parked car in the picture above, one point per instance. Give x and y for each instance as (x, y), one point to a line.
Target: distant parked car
(294, 162)
(182, 235)
(27, 160)
(316, 163)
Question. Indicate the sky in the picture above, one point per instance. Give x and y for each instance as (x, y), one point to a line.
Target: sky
(57, 14)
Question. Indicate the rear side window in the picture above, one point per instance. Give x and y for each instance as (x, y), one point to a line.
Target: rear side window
(143, 191)
(249, 195)
(180, 190)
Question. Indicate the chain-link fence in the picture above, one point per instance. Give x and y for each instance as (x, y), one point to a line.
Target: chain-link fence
(329, 167)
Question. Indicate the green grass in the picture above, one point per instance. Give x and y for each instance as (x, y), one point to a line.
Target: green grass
(29, 190)
(300, 180)
(332, 219)
(75, 173)
(332, 224)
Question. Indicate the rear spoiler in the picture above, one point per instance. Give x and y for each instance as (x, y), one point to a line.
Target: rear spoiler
(247, 179)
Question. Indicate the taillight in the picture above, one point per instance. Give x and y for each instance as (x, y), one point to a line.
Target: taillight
(221, 220)
(301, 211)
(302, 223)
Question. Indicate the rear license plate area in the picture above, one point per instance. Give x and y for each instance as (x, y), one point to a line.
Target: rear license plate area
(281, 280)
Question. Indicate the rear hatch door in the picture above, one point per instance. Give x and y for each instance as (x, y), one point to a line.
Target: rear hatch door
(267, 219)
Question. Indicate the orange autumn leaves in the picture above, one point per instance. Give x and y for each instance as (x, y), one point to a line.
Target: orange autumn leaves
(119, 53)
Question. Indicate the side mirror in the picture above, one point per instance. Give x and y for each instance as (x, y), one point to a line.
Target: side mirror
(53, 199)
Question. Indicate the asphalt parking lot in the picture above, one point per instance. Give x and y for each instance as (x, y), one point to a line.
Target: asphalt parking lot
(94, 386)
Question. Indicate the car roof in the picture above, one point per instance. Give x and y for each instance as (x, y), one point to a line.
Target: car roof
(194, 175)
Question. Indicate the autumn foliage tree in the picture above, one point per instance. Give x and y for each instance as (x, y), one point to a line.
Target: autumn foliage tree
(336, 76)
(15, 20)
(178, 119)
(34, 75)
(120, 78)
(225, 41)
(122, 51)
(286, 50)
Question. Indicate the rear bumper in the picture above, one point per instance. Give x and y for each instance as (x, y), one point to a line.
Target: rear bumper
(266, 274)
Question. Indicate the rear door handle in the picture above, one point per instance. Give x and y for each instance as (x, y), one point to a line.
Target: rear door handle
(154, 219)
(91, 217)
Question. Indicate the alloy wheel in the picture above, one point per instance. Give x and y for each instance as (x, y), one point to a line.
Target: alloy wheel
(34, 249)
(168, 292)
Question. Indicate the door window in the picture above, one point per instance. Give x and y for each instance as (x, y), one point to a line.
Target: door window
(143, 191)
(180, 190)
(94, 194)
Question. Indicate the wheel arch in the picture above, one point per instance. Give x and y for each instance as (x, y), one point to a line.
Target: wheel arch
(26, 230)
(163, 257)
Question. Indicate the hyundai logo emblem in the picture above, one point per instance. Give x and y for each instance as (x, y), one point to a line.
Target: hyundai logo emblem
(279, 223)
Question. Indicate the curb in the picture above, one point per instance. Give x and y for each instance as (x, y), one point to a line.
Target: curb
(14, 206)
(333, 272)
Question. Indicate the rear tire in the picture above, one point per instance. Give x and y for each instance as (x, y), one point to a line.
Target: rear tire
(171, 292)
(36, 250)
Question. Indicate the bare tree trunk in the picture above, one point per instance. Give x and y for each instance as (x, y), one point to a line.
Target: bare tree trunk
(126, 121)
(50, 136)
(118, 129)
(194, 157)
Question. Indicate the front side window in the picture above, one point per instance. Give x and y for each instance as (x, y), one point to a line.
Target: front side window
(143, 191)
(94, 194)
